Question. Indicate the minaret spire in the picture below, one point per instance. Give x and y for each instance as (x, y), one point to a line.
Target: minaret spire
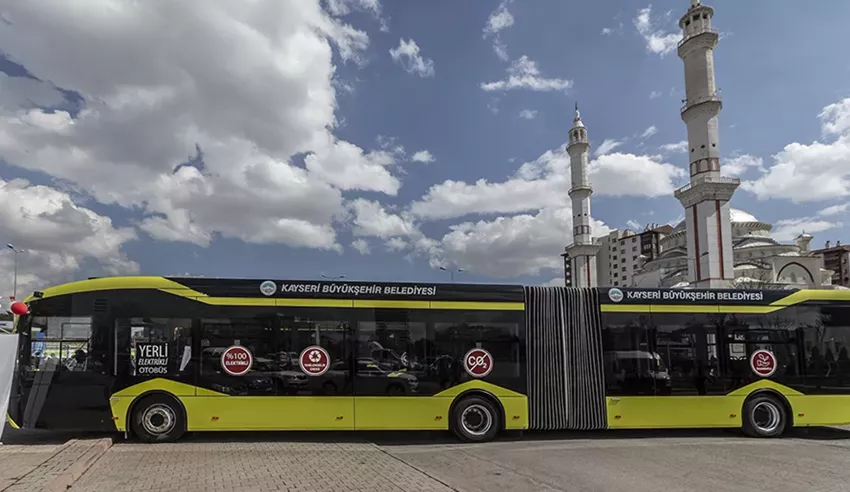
(706, 198)
(582, 252)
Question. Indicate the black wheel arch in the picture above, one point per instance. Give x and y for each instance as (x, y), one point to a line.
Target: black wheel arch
(481, 394)
(789, 411)
(128, 418)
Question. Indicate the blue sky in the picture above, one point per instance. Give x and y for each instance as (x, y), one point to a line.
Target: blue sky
(301, 111)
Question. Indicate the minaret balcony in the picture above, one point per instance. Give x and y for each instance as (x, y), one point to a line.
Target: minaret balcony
(705, 30)
(689, 103)
(707, 187)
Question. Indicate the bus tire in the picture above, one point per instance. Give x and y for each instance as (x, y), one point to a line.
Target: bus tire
(158, 418)
(475, 419)
(764, 416)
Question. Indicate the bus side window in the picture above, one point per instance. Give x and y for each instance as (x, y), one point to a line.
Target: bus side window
(157, 346)
(826, 342)
(67, 339)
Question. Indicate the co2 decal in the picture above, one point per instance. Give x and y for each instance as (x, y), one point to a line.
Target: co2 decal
(478, 362)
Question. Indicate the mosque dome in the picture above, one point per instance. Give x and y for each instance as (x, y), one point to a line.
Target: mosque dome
(736, 216)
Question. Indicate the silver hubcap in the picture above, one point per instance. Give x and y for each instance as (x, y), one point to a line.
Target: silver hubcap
(158, 419)
(766, 417)
(476, 420)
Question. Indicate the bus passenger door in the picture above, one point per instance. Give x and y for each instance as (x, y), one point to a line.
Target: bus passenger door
(315, 369)
(71, 378)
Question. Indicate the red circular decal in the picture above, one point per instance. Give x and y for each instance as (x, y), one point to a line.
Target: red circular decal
(314, 361)
(763, 363)
(478, 362)
(236, 360)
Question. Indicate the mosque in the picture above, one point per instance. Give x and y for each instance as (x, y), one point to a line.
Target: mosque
(758, 260)
(715, 246)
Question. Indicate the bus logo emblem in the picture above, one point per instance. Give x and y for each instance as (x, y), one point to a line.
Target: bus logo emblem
(615, 294)
(268, 288)
(763, 363)
(478, 362)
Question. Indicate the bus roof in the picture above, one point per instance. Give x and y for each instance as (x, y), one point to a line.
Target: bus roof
(267, 290)
(208, 287)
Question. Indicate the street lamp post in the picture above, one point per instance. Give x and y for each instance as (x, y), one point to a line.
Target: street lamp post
(15, 281)
(452, 272)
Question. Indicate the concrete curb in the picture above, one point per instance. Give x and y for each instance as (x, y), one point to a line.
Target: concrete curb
(66, 479)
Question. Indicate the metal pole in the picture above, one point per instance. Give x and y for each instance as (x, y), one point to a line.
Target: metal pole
(15, 281)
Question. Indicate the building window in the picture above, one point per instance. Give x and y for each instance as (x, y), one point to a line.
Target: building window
(623, 269)
(634, 239)
(634, 248)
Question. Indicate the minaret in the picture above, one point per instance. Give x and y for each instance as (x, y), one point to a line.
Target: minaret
(582, 252)
(706, 198)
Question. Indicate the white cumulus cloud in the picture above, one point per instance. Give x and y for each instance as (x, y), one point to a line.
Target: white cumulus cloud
(544, 182)
(243, 88)
(658, 41)
(528, 114)
(811, 172)
(407, 54)
(499, 20)
(674, 148)
(834, 209)
(524, 74)
(422, 156)
(650, 131)
(58, 235)
(607, 146)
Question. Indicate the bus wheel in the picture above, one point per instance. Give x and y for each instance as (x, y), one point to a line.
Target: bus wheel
(764, 416)
(158, 418)
(475, 419)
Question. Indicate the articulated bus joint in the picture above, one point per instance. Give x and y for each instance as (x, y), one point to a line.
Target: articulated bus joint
(483, 394)
(785, 403)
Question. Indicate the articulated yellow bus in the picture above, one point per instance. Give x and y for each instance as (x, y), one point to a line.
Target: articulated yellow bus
(155, 357)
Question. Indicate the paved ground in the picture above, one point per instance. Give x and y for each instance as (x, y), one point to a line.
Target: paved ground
(814, 460)
(17, 461)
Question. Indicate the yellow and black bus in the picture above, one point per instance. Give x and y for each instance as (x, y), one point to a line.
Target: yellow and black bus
(156, 357)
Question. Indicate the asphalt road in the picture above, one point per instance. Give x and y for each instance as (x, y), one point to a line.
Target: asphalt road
(806, 460)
